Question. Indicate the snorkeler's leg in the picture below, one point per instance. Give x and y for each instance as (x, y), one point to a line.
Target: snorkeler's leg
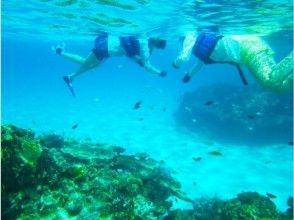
(258, 57)
(89, 63)
(74, 58)
(276, 77)
(282, 74)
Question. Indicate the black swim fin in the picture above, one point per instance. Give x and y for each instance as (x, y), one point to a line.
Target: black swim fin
(69, 85)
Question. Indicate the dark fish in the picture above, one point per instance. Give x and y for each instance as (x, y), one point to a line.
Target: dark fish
(196, 159)
(141, 119)
(74, 126)
(251, 116)
(290, 143)
(209, 143)
(137, 105)
(164, 109)
(209, 103)
(271, 196)
(290, 201)
(119, 150)
(215, 153)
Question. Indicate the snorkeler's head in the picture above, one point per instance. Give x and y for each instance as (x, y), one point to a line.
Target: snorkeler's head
(157, 43)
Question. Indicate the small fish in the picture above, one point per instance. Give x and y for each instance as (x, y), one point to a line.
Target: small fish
(194, 120)
(137, 105)
(164, 109)
(215, 153)
(251, 116)
(208, 143)
(290, 143)
(187, 109)
(259, 113)
(74, 126)
(141, 119)
(271, 196)
(196, 159)
(209, 103)
(194, 183)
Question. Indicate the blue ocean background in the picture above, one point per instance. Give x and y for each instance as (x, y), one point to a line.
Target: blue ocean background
(34, 96)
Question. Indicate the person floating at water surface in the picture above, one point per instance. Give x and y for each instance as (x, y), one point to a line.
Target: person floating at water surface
(105, 46)
(249, 50)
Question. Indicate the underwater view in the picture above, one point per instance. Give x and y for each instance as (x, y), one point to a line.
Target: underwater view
(147, 110)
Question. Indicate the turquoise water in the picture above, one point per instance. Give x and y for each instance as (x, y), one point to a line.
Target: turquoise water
(34, 95)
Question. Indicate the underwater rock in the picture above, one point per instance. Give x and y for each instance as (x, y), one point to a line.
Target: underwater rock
(241, 115)
(52, 141)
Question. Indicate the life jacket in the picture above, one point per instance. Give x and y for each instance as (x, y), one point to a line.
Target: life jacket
(131, 45)
(204, 47)
(101, 46)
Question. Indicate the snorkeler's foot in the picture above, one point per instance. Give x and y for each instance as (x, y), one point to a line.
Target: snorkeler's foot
(68, 82)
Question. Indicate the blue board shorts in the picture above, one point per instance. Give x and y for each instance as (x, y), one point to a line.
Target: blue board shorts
(101, 47)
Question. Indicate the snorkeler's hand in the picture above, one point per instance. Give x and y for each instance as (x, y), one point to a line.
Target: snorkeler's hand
(59, 49)
(175, 66)
(140, 62)
(186, 78)
(163, 73)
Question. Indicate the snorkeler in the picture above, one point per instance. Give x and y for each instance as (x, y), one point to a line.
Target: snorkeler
(105, 46)
(251, 51)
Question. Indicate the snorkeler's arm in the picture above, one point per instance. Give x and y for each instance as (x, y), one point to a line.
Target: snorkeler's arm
(149, 67)
(152, 69)
(143, 59)
(59, 50)
(186, 51)
(195, 69)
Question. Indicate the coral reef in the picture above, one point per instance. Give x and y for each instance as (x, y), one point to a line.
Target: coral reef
(246, 206)
(249, 206)
(242, 115)
(51, 177)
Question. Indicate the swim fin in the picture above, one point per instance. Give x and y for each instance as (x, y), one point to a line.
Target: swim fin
(69, 85)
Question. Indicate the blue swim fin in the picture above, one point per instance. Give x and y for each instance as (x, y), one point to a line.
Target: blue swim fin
(69, 85)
